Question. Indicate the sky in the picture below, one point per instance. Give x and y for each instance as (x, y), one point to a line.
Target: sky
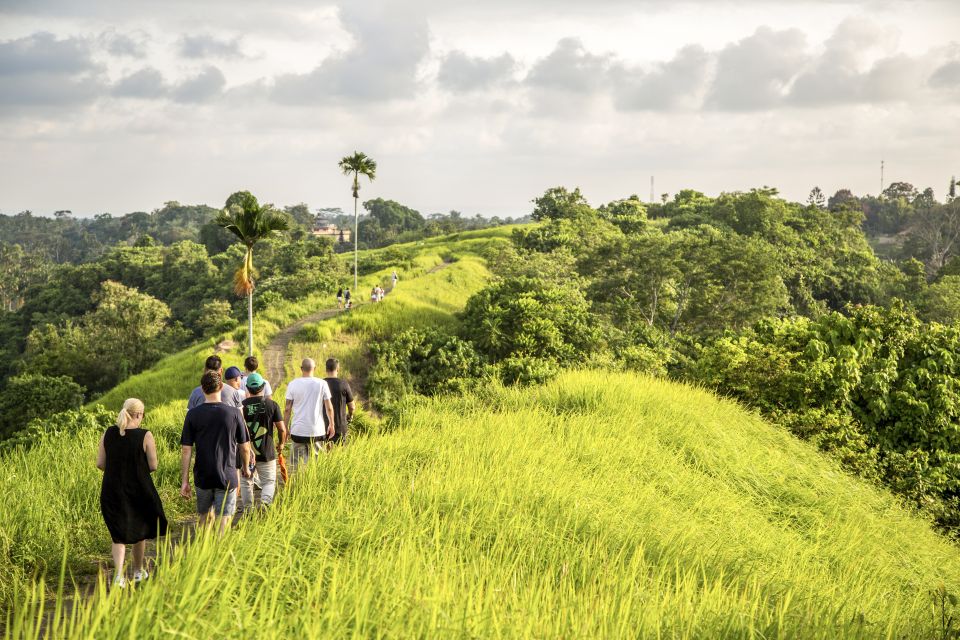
(121, 105)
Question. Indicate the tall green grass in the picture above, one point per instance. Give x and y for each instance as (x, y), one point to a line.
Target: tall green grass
(599, 505)
(53, 499)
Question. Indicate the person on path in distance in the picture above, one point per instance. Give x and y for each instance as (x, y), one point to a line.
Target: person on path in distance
(340, 298)
(374, 296)
(307, 396)
(262, 416)
(346, 298)
(129, 501)
(380, 293)
(230, 395)
(251, 364)
(342, 401)
(395, 278)
(215, 430)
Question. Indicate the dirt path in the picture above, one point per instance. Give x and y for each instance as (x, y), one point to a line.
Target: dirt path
(275, 353)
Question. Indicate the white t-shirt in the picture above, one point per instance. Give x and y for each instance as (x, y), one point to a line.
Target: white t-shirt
(308, 395)
(267, 390)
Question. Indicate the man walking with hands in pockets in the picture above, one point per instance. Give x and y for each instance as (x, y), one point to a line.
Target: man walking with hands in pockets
(307, 396)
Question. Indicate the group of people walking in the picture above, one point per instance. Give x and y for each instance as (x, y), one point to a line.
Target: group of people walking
(344, 300)
(234, 434)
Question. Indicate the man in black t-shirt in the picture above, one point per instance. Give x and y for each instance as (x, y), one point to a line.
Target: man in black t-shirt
(262, 415)
(342, 400)
(215, 429)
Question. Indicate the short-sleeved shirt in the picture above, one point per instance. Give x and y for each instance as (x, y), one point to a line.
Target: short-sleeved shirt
(308, 395)
(228, 396)
(214, 429)
(261, 414)
(341, 395)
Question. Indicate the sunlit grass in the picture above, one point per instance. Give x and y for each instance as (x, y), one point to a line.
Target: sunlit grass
(600, 505)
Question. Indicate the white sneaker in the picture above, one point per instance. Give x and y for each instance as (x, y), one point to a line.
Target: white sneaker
(119, 581)
(140, 576)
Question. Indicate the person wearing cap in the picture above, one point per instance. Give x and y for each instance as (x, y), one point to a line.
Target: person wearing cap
(307, 396)
(251, 364)
(262, 416)
(230, 395)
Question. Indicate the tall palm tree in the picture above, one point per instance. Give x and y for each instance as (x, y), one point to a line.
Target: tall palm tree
(359, 164)
(251, 222)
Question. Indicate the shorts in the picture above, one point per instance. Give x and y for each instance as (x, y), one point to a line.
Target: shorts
(222, 501)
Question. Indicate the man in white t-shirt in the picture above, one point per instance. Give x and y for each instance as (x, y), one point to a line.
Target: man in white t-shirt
(307, 396)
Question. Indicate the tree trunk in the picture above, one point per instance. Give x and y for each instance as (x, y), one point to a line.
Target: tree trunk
(250, 323)
(356, 239)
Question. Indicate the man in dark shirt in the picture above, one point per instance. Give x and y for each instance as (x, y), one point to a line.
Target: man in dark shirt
(262, 415)
(342, 400)
(215, 429)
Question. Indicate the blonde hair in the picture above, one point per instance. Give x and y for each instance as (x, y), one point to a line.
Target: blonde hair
(131, 405)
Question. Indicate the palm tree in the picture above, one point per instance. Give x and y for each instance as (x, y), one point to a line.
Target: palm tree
(356, 165)
(251, 222)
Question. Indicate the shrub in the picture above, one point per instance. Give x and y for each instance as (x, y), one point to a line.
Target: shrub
(30, 396)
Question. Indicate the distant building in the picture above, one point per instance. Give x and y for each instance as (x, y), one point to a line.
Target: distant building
(327, 229)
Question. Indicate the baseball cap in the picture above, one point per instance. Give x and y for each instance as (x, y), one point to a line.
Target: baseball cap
(231, 373)
(255, 382)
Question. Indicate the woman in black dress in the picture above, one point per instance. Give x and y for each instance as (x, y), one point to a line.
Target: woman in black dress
(130, 504)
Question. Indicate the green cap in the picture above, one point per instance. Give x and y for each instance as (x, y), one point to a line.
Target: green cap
(255, 382)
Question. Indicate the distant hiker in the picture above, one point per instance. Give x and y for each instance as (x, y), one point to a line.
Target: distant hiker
(215, 429)
(307, 396)
(251, 364)
(340, 298)
(346, 298)
(380, 293)
(129, 501)
(262, 416)
(342, 401)
(231, 396)
(395, 277)
(374, 296)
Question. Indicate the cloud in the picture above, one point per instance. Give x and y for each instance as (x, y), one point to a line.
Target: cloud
(146, 83)
(42, 71)
(461, 73)
(947, 76)
(570, 68)
(204, 87)
(208, 46)
(676, 84)
(122, 45)
(389, 44)
(43, 52)
(755, 72)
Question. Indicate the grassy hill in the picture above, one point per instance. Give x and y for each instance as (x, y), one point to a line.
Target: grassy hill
(598, 505)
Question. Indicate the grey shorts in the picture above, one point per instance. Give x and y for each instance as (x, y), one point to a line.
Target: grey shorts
(222, 501)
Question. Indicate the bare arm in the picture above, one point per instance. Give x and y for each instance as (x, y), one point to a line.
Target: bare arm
(332, 428)
(101, 454)
(185, 453)
(248, 458)
(351, 409)
(281, 432)
(287, 410)
(150, 448)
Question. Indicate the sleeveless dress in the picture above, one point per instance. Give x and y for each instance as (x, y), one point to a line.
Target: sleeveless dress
(129, 501)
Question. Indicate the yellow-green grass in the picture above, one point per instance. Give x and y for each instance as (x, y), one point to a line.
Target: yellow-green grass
(53, 504)
(598, 506)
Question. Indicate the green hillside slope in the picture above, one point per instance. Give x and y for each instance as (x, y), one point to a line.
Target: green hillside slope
(597, 506)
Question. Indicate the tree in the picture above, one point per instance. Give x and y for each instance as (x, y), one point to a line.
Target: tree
(952, 190)
(843, 199)
(816, 198)
(357, 165)
(251, 222)
(937, 228)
